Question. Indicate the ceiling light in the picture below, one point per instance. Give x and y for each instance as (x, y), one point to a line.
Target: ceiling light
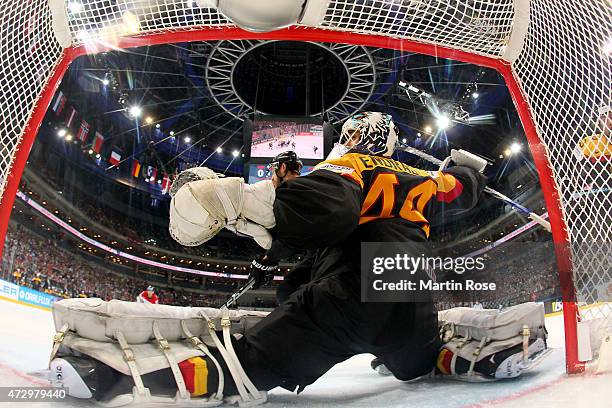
(235, 153)
(515, 147)
(507, 152)
(187, 139)
(149, 120)
(157, 126)
(135, 111)
(105, 81)
(90, 151)
(427, 129)
(475, 95)
(172, 133)
(219, 150)
(68, 137)
(443, 122)
(61, 132)
(404, 140)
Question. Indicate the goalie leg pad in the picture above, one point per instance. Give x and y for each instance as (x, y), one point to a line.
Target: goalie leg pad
(488, 344)
(184, 363)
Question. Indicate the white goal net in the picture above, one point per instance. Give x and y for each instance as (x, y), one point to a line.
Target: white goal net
(554, 55)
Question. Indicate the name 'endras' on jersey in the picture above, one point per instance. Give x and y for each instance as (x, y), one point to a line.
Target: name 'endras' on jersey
(394, 189)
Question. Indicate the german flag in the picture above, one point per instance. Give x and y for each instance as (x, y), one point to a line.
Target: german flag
(195, 374)
(135, 168)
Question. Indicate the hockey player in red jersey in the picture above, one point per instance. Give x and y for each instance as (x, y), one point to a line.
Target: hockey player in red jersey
(148, 296)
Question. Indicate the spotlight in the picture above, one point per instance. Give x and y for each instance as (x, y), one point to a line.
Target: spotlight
(419, 134)
(172, 133)
(607, 48)
(475, 95)
(68, 137)
(515, 147)
(105, 81)
(98, 156)
(427, 129)
(84, 36)
(187, 139)
(149, 120)
(135, 111)
(90, 151)
(235, 153)
(507, 152)
(443, 122)
(403, 140)
(61, 132)
(219, 150)
(157, 126)
(75, 7)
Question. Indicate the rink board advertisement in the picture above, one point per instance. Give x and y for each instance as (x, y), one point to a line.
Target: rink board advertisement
(28, 296)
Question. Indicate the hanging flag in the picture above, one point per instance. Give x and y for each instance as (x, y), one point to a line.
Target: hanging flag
(59, 103)
(135, 168)
(151, 174)
(83, 132)
(166, 184)
(98, 141)
(115, 157)
(71, 117)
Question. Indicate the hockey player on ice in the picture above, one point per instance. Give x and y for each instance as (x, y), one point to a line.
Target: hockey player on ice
(148, 296)
(323, 322)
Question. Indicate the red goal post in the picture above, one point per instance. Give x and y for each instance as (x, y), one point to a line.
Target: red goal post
(553, 55)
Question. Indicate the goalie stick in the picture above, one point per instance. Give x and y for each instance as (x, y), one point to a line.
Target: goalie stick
(518, 207)
(247, 286)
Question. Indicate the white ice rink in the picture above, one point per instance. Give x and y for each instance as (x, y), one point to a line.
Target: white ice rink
(25, 343)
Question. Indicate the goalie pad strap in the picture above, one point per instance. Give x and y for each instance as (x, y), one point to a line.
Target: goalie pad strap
(176, 371)
(128, 356)
(231, 363)
(226, 324)
(58, 338)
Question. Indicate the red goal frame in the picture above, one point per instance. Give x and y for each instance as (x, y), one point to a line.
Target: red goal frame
(548, 184)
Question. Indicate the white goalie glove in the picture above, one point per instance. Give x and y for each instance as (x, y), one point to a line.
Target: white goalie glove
(200, 209)
(464, 158)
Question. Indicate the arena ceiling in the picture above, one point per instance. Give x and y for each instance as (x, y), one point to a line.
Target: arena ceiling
(202, 92)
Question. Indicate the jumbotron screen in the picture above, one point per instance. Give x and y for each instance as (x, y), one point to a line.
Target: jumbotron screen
(271, 137)
(259, 172)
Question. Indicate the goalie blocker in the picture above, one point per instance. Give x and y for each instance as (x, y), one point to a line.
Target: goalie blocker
(119, 353)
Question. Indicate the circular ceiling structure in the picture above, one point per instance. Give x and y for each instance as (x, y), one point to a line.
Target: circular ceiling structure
(290, 78)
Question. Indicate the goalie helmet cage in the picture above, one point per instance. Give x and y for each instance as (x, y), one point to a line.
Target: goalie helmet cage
(553, 55)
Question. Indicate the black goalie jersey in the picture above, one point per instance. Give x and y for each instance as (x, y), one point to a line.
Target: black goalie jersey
(325, 207)
(393, 189)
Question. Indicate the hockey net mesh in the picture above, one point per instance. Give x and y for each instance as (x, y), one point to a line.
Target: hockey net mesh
(566, 74)
(28, 54)
(564, 71)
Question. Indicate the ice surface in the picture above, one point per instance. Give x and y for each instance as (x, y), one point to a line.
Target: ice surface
(25, 343)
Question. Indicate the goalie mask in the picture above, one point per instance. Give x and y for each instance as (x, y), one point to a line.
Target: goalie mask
(374, 132)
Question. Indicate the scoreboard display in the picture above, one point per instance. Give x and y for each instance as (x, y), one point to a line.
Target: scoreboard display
(259, 172)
